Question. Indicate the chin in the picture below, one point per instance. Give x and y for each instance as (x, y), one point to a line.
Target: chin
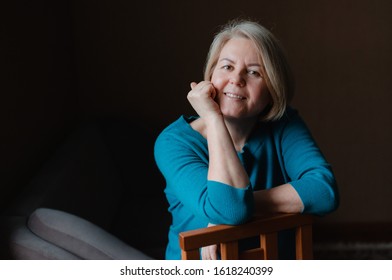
(232, 116)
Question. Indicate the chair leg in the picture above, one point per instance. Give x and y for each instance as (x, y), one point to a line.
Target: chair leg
(229, 250)
(269, 243)
(190, 255)
(303, 242)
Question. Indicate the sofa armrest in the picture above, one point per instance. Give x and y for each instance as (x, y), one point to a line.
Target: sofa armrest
(80, 237)
(18, 242)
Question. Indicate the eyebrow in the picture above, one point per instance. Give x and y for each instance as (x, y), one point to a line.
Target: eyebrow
(232, 61)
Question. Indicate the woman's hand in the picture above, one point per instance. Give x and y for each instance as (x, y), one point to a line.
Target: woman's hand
(202, 97)
(209, 252)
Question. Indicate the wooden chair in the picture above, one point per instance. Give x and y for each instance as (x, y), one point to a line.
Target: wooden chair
(265, 227)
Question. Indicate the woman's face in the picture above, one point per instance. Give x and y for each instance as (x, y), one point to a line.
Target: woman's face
(241, 89)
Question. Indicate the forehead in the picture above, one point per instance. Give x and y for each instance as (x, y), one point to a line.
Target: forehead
(240, 48)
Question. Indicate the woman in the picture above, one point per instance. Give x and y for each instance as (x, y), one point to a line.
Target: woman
(247, 152)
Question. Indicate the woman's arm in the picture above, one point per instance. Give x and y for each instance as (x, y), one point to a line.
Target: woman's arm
(181, 155)
(311, 184)
(280, 199)
(224, 164)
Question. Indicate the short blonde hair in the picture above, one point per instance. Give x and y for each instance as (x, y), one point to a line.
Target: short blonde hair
(275, 68)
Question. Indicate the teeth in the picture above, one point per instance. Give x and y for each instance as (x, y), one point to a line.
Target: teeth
(234, 95)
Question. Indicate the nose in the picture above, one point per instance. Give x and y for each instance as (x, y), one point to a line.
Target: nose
(237, 79)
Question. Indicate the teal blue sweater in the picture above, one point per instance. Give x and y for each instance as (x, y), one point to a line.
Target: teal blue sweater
(276, 153)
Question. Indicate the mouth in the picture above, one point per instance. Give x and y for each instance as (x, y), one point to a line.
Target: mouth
(234, 96)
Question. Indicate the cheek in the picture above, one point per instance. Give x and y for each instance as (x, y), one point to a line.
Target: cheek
(218, 81)
(266, 95)
(263, 96)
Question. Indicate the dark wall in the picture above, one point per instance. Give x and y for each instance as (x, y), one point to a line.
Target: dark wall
(137, 62)
(38, 97)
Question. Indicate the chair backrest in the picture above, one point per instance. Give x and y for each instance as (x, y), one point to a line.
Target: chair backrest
(266, 228)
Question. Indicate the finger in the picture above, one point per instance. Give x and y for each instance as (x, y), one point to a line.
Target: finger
(209, 253)
(204, 253)
(213, 252)
(209, 257)
(213, 92)
(193, 84)
(210, 87)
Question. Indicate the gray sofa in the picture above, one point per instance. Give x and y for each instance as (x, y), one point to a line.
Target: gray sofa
(100, 196)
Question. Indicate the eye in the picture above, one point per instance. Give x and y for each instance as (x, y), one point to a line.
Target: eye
(254, 73)
(227, 67)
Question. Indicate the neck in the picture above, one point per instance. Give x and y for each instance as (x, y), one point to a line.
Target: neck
(240, 130)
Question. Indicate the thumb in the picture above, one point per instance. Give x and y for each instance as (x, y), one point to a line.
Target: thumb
(193, 84)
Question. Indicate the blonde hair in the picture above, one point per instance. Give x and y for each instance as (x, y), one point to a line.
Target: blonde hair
(275, 70)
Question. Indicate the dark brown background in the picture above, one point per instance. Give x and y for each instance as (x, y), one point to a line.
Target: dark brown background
(63, 62)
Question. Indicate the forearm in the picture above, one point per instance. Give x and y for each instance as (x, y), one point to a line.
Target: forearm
(224, 164)
(281, 199)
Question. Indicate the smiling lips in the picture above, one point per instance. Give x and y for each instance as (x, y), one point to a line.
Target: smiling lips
(235, 96)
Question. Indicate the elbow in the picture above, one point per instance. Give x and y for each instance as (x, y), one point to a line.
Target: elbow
(327, 203)
(231, 212)
(330, 205)
(332, 198)
(239, 214)
(227, 205)
(319, 194)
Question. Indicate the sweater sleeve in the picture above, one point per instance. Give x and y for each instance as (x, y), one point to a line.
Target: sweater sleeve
(308, 171)
(183, 161)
